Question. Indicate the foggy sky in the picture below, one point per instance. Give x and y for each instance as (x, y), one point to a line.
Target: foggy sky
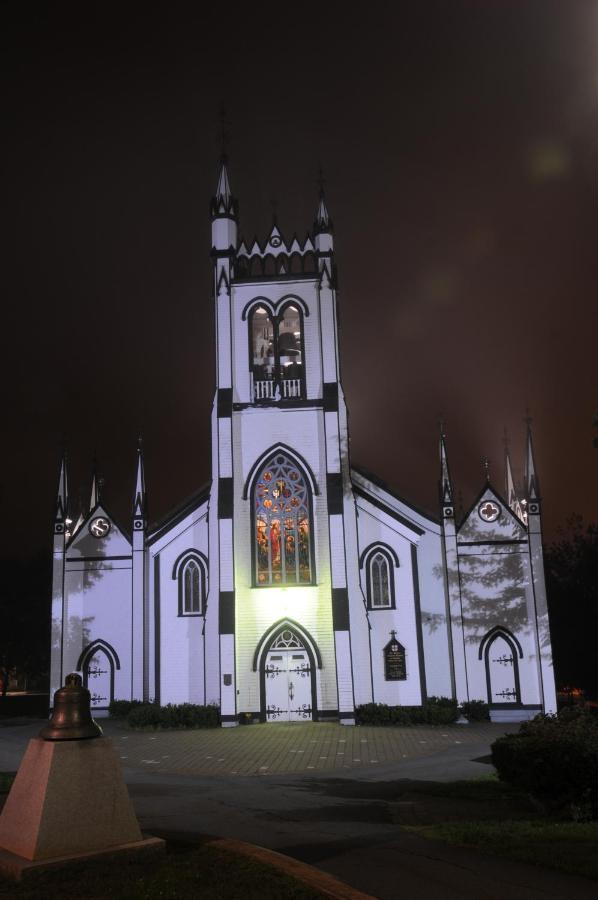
(459, 143)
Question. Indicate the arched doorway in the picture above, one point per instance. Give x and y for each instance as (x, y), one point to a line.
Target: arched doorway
(288, 679)
(502, 669)
(97, 664)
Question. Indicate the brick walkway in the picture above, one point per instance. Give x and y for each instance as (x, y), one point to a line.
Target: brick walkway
(276, 749)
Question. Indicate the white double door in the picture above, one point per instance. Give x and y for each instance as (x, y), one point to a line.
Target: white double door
(288, 677)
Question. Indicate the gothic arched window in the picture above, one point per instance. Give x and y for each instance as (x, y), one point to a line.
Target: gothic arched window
(262, 344)
(282, 524)
(191, 589)
(190, 571)
(380, 563)
(276, 353)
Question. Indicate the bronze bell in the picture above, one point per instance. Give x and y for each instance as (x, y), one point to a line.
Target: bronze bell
(71, 717)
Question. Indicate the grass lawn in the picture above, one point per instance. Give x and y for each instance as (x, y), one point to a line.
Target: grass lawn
(568, 846)
(204, 872)
(488, 815)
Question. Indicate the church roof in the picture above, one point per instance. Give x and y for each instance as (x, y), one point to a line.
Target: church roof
(175, 515)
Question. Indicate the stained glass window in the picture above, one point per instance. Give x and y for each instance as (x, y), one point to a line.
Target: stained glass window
(282, 524)
(379, 581)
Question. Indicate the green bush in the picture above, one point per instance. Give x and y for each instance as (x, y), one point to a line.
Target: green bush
(555, 759)
(440, 711)
(120, 709)
(436, 711)
(183, 715)
(475, 710)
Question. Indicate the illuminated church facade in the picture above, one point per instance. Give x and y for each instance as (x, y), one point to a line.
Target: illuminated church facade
(296, 587)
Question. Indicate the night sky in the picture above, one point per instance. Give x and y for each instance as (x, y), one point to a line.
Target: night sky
(459, 142)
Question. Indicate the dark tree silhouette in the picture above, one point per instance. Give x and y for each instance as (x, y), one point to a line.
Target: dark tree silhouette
(572, 585)
(25, 596)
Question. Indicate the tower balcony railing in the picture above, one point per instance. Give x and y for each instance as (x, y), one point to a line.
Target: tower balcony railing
(276, 388)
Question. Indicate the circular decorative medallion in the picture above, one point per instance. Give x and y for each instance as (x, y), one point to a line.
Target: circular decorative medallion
(99, 527)
(489, 511)
(275, 241)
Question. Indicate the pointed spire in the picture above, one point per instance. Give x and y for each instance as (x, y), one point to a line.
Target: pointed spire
(509, 482)
(139, 500)
(323, 221)
(223, 202)
(446, 489)
(94, 497)
(223, 189)
(531, 479)
(62, 497)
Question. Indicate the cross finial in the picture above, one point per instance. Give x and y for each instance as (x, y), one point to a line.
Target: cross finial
(528, 419)
(321, 180)
(441, 425)
(486, 464)
(224, 132)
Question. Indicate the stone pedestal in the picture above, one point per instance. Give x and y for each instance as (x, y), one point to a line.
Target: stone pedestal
(68, 799)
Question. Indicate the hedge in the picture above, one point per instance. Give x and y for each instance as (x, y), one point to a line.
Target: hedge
(173, 715)
(435, 711)
(555, 760)
(475, 710)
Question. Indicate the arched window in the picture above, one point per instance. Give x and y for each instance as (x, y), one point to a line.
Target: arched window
(190, 571)
(282, 525)
(380, 580)
(262, 344)
(191, 589)
(276, 353)
(380, 562)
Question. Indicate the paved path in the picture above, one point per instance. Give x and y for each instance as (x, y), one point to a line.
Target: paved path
(331, 805)
(274, 749)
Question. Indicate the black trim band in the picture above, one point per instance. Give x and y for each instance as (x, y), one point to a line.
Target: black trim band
(224, 402)
(330, 395)
(225, 498)
(340, 609)
(226, 612)
(334, 491)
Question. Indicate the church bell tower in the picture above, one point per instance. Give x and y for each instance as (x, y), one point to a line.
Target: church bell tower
(281, 511)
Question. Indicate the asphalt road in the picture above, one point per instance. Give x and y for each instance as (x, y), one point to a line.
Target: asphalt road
(338, 821)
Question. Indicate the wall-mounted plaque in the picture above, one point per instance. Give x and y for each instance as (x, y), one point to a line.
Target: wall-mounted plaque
(394, 661)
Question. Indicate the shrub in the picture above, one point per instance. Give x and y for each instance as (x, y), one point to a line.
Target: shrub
(440, 711)
(555, 759)
(436, 711)
(183, 715)
(475, 710)
(120, 709)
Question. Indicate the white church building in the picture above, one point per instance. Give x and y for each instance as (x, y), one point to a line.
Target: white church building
(296, 587)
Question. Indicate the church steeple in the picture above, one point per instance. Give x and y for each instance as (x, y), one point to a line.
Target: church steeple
(139, 500)
(531, 479)
(446, 489)
(223, 201)
(323, 239)
(224, 210)
(94, 497)
(323, 221)
(513, 498)
(445, 484)
(62, 499)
